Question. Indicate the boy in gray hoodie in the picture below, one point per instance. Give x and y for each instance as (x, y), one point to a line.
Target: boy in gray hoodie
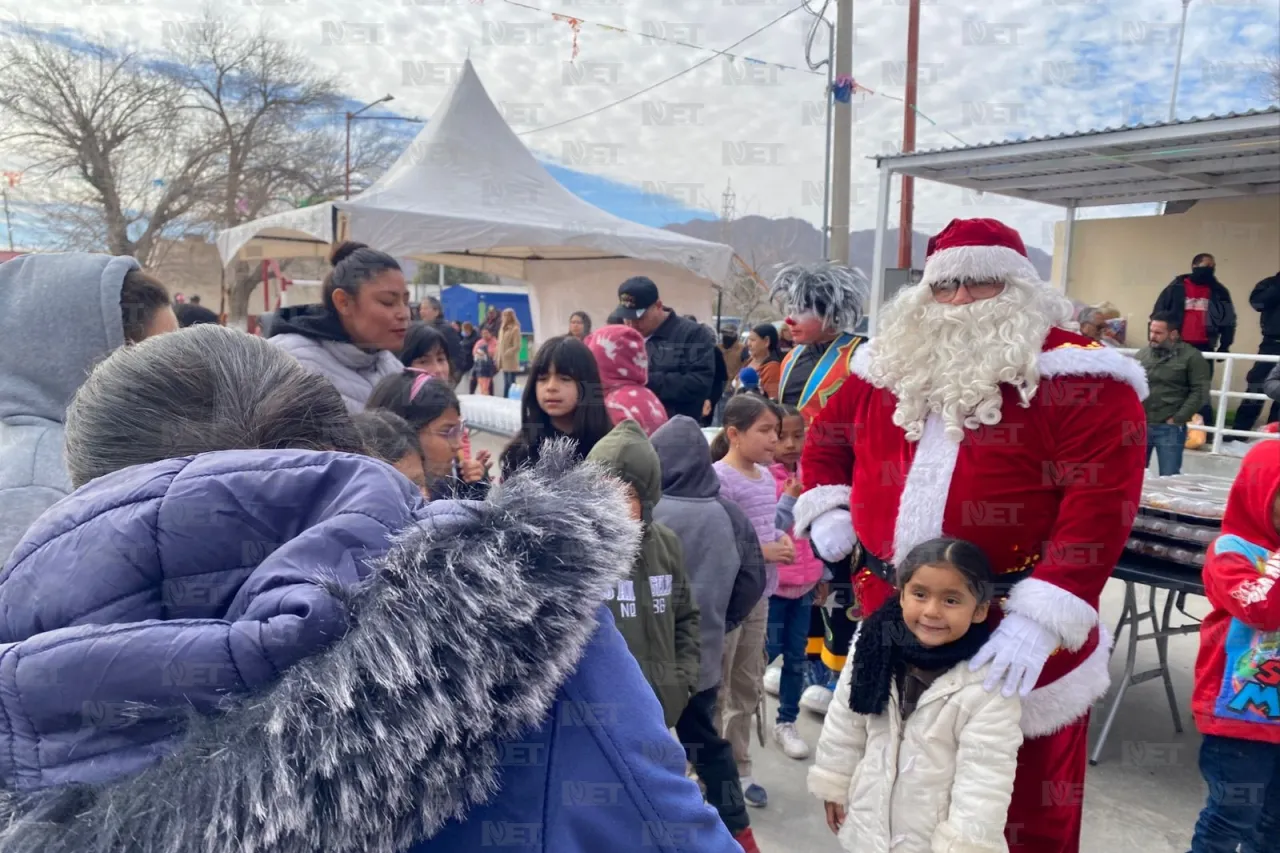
(60, 314)
(726, 570)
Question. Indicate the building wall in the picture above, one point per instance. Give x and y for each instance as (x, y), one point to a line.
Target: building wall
(1128, 261)
(191, 266)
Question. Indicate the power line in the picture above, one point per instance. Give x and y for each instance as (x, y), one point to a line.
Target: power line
(647, 89)
(656, 37)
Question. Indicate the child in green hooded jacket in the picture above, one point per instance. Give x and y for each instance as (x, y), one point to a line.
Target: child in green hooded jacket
(654, 609)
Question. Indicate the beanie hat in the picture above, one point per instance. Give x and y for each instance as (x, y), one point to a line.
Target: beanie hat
(748, 377)
(976, 250)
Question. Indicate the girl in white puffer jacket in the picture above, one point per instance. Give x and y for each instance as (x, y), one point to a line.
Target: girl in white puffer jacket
(915, 756)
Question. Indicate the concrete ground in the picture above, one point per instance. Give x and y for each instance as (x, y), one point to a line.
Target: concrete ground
(1143, 796)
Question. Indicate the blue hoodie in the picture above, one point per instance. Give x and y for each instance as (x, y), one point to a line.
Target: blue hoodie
(59, 316)
(289, 652)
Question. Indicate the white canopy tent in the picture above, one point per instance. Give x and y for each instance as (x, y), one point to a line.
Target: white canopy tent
(468, 194)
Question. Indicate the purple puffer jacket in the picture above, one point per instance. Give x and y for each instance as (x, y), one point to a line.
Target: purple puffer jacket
(289, 652)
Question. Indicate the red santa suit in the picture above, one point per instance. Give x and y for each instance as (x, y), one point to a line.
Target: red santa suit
(1049, 493)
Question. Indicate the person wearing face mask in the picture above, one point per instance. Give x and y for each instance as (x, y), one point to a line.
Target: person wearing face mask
(1201, 306)
(1178, 376)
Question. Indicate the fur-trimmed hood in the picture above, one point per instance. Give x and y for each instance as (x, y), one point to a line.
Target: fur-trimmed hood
(407, 653)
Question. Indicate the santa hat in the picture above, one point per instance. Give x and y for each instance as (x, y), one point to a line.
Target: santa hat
(835, 293)
(976, 250)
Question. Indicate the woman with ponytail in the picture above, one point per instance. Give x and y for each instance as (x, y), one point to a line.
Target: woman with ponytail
(352, 338)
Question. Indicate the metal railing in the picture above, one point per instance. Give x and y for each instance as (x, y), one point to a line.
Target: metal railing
(1221, 389)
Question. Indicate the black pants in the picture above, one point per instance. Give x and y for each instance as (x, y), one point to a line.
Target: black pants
(712, 756)
(838, 628)
(1249, 410)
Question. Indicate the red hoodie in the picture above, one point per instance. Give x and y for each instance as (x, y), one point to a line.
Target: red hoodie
(624, 369)
(1237, 690)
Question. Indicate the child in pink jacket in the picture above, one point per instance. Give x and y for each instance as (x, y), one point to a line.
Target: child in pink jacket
(791, 606)
(624, 371)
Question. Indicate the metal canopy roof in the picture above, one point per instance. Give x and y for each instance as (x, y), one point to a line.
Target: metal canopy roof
(1212, 157)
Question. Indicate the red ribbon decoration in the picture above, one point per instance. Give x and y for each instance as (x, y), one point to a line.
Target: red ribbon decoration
(575, 25)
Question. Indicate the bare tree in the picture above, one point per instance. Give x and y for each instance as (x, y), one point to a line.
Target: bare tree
(1271, 79)
(111, 138)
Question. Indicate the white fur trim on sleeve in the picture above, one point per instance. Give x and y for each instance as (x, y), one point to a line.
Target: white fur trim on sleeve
(977, 263)
(1095, 361)
(1053, 707)
(1069, 617)
(828, 786)
(861, 361)
(815, 502)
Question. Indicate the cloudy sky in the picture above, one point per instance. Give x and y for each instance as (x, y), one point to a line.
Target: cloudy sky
(988, 71)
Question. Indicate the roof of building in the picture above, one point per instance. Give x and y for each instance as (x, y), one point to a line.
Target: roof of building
(1216, 156)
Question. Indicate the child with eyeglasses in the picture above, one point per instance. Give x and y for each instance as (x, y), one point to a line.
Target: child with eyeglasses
(432, 411)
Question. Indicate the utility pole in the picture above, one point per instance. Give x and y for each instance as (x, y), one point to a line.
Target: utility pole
(728, 210)
(842, 142)
(346, 180)
(907, 211)
(1177, 75)
(819, 17)
(1177, 64)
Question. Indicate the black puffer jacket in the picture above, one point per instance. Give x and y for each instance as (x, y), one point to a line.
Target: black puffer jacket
(1265, 299)
(682, 365)
(1221, 321)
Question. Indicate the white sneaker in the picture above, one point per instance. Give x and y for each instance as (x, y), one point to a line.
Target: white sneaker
(816, 698)
(786, 736)
(772, 680)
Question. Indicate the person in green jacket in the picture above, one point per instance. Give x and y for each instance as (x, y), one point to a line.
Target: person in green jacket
(654, 609)
(1179, 378)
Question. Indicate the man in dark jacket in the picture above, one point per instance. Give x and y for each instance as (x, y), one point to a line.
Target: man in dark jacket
(1265, 299)
(1201, 307)
(1178, 376)
(433, 315)
(682, 357)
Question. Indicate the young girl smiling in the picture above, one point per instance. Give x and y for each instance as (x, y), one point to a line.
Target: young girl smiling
(907, 694)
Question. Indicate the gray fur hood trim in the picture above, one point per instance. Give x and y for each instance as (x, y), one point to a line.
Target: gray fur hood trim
(458, 643)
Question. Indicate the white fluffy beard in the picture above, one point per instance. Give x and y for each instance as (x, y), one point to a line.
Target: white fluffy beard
(950, 360)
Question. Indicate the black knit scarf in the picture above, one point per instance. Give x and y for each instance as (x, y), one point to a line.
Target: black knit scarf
(884, 643)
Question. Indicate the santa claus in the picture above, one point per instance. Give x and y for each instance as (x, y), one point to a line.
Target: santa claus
(973, 413)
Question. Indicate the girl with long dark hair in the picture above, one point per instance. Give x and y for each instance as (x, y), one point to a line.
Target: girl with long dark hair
(561, 398)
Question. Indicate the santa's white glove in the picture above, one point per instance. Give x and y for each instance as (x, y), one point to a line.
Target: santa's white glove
(832, 535)
(1017, 651)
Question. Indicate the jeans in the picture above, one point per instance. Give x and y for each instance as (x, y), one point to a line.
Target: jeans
(508, 381)
(1168, 441)
(712, 756)
(1249, 410)
(1244, 796)
(788, 634)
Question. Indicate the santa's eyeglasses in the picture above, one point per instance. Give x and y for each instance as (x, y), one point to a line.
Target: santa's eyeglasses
(945, 291)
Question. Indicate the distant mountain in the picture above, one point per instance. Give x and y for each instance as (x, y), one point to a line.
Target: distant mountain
(762, 241)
